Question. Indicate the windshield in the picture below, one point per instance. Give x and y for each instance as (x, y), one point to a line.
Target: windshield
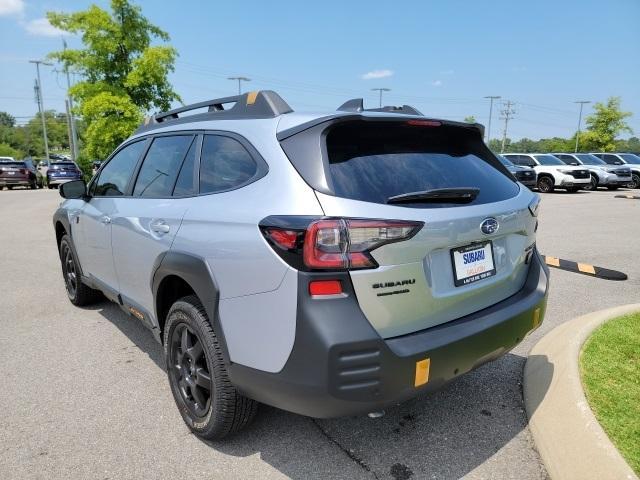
(588, 159)
(630, 158)
(373, 161)
(505, 161)
(548, 160)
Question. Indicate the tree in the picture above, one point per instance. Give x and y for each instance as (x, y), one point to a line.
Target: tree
(606, 123)
(470, 119)
(7, 120)
(124, 75)
(8, 151)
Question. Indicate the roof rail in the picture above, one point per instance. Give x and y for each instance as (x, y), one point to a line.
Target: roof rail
(250, 105)
(357, 105)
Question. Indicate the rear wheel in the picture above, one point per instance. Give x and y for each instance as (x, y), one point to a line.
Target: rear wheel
(33, 185)
(545, 184)
(9, 187)
(593, 185)
(635, 181)
(78, 292)
(207, 400)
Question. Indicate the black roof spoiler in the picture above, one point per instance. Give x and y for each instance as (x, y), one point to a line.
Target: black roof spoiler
(250, 105)
(357, 105)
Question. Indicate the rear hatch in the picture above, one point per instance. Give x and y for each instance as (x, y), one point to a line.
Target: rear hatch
(13, 171)
(63, 169)
(478, 230)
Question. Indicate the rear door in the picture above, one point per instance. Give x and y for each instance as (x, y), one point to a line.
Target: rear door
(469, 254)
(92, 228)
(145, 223)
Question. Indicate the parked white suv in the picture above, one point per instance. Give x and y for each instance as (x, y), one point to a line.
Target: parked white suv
(628, 159)
(552, 172)
(602, 174)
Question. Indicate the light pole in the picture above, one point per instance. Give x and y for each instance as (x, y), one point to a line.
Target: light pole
(70, 117)
(582, 103)
(240, 80)
(491, 99)
(41, 105)
(381, 90)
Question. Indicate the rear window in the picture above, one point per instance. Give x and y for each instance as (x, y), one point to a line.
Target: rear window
(372, 161)
(63, 165)
(12, 164)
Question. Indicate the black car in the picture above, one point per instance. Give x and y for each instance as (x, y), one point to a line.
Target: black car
(525, 175)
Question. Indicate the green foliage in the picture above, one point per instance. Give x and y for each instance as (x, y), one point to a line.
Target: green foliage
(470, 119)
(606, 123)
(7, 150)
(124, 75)
(7, 120)
(28, 138)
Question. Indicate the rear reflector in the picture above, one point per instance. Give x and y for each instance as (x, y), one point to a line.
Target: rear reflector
(422, 372)
(424, 123)
(325, 287)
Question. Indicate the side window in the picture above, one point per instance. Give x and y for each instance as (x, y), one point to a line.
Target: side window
(611, 159)
(186, 185)
(224, 164)
(161, 166)
(568, 159)
(515, 159)
(527, 161)
(115, 175)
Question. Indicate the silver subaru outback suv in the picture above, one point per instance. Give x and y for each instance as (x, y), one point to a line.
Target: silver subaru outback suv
(326, 264)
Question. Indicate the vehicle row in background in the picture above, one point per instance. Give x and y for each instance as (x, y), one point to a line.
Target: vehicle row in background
(579, 171)
(19, 173)
(58, 172)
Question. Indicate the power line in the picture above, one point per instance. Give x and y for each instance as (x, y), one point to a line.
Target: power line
(240, 80)
(491, 99)
(380, 90)
(507, 114)
(38, 91)
(582, 104)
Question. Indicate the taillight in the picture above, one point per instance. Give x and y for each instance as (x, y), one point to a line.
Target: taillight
(335, 243)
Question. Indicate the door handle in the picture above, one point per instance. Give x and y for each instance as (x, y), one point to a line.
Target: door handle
(160, 226)
(106, 220)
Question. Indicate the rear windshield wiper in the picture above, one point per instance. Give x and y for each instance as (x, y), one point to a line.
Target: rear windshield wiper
(443, 195)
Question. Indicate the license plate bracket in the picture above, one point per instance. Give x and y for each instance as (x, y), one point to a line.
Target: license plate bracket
(472, 263)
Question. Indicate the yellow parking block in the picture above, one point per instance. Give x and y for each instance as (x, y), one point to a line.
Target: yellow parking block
(586, 268)
(553, 261)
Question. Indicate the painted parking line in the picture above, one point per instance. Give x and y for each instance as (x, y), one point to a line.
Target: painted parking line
(633, 197)
(584, 268)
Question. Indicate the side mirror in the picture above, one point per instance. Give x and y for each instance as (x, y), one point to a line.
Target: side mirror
(617, 162)
(574, 163)
(73, 189)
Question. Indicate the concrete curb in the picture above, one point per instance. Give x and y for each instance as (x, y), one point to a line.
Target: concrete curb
(570, 440)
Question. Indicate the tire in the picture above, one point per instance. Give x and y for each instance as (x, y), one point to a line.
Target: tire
(545, 184)
(208, 402)
(9, 187)
(79, 294)
(593, 185)
(33, 186)
(635, 180)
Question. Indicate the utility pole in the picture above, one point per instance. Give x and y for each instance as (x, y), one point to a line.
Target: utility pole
(507, 113)
(381, 90)
(70, 118)
(582, 103)
(240, 80)
(491, 99)
(41, 104)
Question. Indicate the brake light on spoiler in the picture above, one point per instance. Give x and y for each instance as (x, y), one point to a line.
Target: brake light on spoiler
(333, 243)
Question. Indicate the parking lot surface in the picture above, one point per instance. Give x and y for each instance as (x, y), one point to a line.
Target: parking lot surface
(84, 392)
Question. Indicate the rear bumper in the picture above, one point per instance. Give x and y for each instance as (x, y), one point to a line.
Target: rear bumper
(340, 366)
(14, 181)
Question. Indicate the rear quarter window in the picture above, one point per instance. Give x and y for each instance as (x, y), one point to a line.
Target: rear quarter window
(372, 161)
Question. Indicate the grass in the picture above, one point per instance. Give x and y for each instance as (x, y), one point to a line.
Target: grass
(610, 369)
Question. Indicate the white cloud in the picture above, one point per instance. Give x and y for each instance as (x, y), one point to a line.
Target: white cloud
(11, 7)
(377, 74)
(437, 83)
(41, 27)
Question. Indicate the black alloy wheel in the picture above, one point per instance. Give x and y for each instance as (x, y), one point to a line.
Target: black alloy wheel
(189, 369)
(69, 270)
(593, 184)
(545, 184)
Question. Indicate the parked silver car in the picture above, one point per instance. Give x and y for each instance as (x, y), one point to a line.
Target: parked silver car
(602, 174)
(328, 264)
(629, 159)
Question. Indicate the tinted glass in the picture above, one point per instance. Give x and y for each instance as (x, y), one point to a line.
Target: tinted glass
(588, 159)
(12, 164)
(611, 159)
(64, 165)
(224, 164)
(374, 161)
(505, 161)
(548, 160)
(185, 184)
(161, 166)
(115, 176)
(630, 158)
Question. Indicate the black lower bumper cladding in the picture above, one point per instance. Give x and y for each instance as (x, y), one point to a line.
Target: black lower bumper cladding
(340, 366)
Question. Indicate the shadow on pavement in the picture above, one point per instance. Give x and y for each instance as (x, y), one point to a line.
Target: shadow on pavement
(444, 434)
(540, 374)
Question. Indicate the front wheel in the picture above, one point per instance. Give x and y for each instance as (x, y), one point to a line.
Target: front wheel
(207, 400)
(545, 184)
(593, 184)
(635, 181)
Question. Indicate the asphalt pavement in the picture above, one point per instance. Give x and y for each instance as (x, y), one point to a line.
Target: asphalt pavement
(84, 392)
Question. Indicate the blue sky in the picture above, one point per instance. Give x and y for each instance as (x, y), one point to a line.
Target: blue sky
(441, 56)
